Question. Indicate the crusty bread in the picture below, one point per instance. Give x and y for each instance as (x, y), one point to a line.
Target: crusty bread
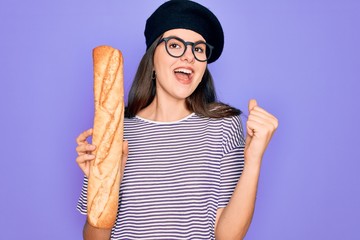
(104, 176)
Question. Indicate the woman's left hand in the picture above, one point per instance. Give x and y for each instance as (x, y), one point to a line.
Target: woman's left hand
(260, 127)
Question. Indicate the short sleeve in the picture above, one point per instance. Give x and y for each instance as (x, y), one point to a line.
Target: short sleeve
(232, 161)
(82, 202)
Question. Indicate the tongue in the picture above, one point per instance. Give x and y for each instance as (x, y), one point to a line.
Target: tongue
(182, 76)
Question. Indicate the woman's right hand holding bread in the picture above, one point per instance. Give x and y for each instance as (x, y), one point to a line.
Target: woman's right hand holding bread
(84, 150)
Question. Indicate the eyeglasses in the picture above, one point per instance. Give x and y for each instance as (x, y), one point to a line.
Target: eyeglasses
(176, 47)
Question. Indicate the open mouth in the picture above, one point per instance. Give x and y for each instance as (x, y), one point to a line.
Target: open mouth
(183, 74)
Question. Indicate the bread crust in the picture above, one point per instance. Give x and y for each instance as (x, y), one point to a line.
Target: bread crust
(104, 176)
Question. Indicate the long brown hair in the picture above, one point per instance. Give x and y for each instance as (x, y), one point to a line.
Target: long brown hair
(202, 101)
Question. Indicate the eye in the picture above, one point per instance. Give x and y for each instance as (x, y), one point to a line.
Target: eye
(174, 44)
(200, 48)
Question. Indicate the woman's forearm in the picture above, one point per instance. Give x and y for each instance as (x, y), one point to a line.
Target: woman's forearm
(92, 233)
(237, 215)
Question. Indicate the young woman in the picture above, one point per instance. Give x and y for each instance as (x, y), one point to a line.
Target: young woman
(185, 151)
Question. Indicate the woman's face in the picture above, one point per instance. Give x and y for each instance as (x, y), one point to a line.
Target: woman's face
(177, 78)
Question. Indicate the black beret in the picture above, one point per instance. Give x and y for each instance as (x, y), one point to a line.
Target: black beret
(187, 15)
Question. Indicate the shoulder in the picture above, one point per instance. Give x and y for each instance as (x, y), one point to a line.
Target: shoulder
(230, 123)
(233, 130)
(232, 120)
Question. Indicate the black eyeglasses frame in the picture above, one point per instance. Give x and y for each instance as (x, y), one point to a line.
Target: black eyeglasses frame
(192, 44)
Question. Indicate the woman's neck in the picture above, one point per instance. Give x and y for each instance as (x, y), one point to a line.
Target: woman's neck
(165, 111)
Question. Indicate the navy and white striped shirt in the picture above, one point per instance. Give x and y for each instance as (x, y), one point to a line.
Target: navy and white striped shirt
(177, 175)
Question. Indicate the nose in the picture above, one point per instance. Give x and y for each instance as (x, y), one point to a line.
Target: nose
(188, 55)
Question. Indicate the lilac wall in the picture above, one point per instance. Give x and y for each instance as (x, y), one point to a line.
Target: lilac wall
(300, 59)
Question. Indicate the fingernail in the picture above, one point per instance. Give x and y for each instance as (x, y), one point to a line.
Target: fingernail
(90, 156)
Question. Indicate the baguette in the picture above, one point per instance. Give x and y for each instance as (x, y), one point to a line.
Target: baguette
(104, 176)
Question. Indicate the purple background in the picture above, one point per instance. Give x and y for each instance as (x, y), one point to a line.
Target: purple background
(299, 59)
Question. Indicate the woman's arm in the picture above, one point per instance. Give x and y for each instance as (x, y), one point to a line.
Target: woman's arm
(92, 233)
(233, 221)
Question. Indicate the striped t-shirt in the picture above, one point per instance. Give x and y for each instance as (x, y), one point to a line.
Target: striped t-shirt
(176, 177)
